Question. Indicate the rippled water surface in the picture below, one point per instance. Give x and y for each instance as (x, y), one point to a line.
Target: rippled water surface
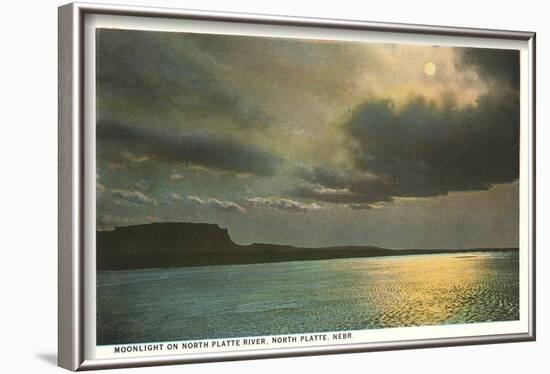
(305, 296)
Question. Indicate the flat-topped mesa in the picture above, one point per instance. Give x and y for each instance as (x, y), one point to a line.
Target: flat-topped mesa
(170, 244)
(164, 238)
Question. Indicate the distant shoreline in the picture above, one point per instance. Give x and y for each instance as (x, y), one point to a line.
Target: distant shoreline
(245, 258)
(169, 245)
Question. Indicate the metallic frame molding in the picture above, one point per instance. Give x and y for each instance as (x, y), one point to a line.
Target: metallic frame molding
(71, 183)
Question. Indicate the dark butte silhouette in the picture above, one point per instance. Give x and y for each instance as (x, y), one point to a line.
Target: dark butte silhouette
(164, 245)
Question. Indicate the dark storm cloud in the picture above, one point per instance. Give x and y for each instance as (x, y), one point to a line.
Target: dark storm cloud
(421, 150)
(163, 72)
(200, 148)
(359, 190)
(333, 186)
(493, 64)
(323, 176)
(424, 150)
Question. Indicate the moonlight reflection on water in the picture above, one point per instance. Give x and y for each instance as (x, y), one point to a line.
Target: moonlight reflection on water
(305, 296)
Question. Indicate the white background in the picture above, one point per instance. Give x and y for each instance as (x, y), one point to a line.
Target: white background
(28, 186)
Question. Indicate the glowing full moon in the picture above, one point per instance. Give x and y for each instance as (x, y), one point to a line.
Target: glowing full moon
(430, 68)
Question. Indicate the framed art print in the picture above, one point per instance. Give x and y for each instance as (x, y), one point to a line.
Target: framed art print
(238, 186)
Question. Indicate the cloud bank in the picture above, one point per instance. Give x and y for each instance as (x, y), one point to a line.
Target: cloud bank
(133, 197)
(293, 125)
(200, 147)
(424, 150)
(282, 204)
(225, 206)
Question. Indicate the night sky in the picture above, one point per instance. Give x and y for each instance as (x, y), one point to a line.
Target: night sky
(309, 142)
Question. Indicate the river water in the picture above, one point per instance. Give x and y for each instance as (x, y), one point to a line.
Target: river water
(149, 305)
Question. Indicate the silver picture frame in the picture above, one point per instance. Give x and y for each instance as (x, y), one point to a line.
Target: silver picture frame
(76, 180)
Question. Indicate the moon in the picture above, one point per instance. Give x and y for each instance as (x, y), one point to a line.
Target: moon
(430, 68)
